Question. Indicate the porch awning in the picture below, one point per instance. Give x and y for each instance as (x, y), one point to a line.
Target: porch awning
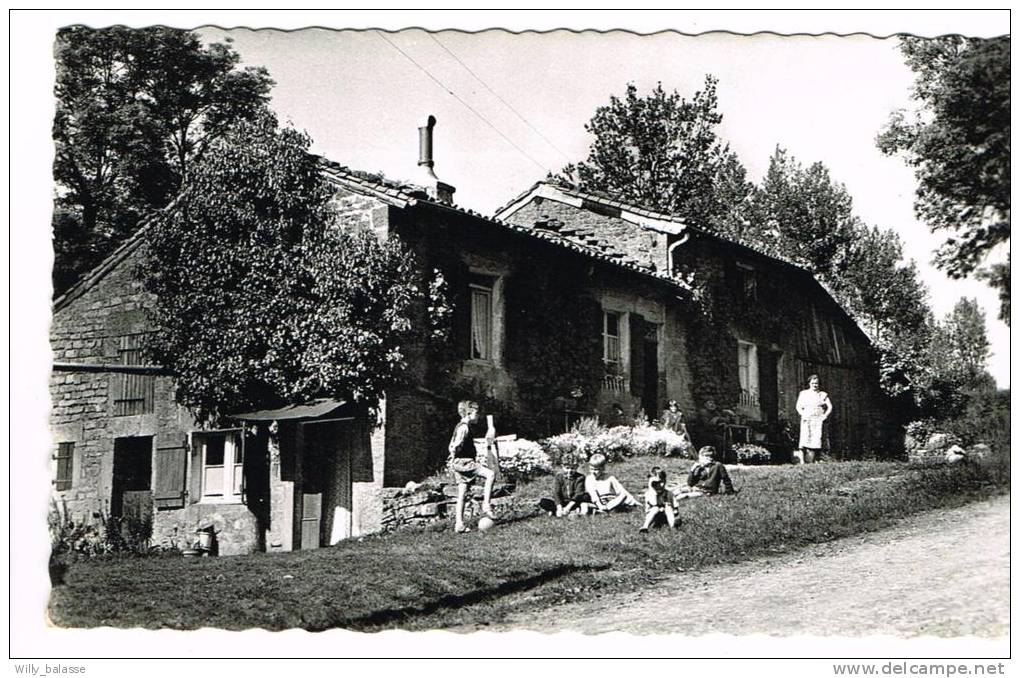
(309, 410)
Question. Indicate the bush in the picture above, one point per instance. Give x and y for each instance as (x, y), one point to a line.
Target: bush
(747, 453)
(524, 460)
(565, 448)
(616, 443)
(651, 441)
(72, 540)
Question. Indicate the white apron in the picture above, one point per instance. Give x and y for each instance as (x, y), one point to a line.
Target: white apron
(813, 407)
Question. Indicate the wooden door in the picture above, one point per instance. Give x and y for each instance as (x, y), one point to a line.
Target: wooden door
(327, 508)
(131, 493)
(311, 520)
(311, 490)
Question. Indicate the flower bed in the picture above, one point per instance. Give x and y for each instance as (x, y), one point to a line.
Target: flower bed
(750, 454)
(616, 443)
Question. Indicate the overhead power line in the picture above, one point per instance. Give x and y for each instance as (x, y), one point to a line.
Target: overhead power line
(504, 101)
(463, 103)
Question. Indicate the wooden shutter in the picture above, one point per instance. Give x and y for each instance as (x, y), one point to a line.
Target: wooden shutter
(65, 466)
(170, 476)
(135, 393)
(637, 355)
(195, 486)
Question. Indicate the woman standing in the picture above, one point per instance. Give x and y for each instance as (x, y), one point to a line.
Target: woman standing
(814, 408)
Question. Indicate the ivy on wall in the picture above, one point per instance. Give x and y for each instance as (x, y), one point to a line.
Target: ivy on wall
(554, 341)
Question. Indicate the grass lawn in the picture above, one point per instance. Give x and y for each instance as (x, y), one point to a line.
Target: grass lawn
(432, 578)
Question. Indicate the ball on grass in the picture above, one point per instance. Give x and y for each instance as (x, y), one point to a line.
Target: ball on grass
(486, 523)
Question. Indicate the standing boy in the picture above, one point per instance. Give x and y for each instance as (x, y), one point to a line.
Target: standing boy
(464, 463)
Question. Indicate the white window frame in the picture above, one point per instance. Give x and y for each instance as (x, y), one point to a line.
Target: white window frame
(491, 321)
(233, 466)
(495, 279)
(748, 375)
(607, 337)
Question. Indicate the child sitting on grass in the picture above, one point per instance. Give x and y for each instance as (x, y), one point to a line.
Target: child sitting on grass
(658, 501)
(570, 494)
(706, 476)
(605, 491)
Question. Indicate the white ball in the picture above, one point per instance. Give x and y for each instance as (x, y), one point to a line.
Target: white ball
(486, 523)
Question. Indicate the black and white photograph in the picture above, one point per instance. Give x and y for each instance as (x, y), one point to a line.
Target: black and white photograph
(375, 324)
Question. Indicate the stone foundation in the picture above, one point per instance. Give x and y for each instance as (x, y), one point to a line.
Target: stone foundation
(430, 502)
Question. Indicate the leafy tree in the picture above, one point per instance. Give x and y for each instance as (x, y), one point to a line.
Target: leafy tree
(959, 144)
(661, 151)
(943, 364)
(134, 108)
(878, 288)
(966, 343)
(803, 215)
(262, 297)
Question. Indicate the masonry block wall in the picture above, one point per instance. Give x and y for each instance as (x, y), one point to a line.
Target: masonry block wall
(642, 245)
(88, 329)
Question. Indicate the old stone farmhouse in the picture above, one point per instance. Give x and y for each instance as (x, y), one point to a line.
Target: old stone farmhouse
(564, 304)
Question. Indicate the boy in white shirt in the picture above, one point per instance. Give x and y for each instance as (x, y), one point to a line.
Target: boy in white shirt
(605, 491)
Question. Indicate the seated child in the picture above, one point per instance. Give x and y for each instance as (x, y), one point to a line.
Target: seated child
(569, 494)
(706, 476)
(658, 501)
(605, 491)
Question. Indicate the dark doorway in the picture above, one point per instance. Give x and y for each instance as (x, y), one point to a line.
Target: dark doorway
(644, 364)
(131, 495)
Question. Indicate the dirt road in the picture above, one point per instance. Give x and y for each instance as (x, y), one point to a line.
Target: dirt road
(944, 573)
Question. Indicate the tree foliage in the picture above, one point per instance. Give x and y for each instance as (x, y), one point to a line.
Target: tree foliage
(135, 107)
(662, 151)
(803, 215)
(262, 297)
(959, 145)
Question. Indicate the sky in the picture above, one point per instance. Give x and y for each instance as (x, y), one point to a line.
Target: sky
(511, 108)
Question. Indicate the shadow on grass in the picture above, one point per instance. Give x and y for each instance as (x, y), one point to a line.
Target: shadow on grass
(380, 619)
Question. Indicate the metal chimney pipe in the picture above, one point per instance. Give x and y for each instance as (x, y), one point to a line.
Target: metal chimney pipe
(436, 189)
(425, 142)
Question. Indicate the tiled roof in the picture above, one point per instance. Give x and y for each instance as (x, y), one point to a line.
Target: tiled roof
(603, 199)
(609, 201)
(398, 194)
(579, 241)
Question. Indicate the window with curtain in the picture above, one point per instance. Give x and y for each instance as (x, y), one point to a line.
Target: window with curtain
(748, 281)
(481, 317)
(747, 369)
(611, 338)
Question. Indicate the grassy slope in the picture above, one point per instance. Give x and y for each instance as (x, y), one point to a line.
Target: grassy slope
(425, 579)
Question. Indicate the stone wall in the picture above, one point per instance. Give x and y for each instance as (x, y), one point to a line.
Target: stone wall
(430, 502)
(87, 330)
(642, 245)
